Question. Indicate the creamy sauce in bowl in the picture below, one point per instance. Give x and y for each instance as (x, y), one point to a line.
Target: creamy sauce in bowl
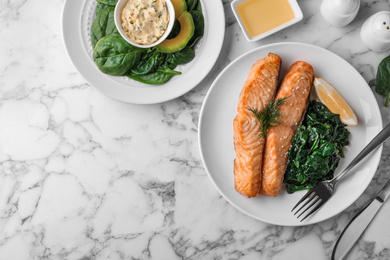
(260, 16)
(145, 21)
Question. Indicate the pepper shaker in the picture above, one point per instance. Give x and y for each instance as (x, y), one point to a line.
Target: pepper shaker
(339, 12)
(375, 32)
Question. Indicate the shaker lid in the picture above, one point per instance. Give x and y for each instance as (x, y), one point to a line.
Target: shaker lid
(345, 7)
(381, 25)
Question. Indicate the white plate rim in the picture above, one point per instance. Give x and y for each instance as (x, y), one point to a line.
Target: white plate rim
(202, 110)
(145, 94)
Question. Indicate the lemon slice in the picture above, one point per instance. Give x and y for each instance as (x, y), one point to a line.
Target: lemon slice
(334, 101)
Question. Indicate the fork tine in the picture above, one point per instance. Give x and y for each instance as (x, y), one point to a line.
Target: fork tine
(302, 199)
(311, 205)
(310, 198)
(313, 210)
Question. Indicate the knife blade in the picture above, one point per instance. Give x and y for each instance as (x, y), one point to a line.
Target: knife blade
(358, 224)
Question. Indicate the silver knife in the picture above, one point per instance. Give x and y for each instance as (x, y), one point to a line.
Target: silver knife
(359, 223)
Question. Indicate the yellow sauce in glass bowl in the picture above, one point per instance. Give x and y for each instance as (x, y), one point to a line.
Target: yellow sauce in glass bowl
(260, 16)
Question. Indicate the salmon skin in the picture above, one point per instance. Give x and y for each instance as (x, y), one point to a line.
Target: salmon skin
(258, 91)
(295, 86)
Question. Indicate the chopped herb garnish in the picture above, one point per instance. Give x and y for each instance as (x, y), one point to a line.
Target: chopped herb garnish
(268, 117)
(160, 15)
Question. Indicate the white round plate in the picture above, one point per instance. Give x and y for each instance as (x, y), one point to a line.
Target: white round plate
(216, 132)
(77, 18)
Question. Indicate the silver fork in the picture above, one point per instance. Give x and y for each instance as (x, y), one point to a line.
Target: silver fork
(320, 193)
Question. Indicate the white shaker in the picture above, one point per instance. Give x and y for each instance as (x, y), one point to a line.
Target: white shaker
(375, 32)
(339, 12)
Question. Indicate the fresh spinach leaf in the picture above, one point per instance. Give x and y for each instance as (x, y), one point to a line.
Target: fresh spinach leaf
(175, 30)
(149, 63)
(171, 65)
(162, 75)
(99, 7)
(198, 18)
(108, 2)
(181, 57)
(103, 25)
(115, 56)
(316, 148)
(383, 79)
(199, 6)
(191, 4)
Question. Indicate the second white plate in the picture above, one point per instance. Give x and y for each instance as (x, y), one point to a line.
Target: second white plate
(77, 18)
(216, 132)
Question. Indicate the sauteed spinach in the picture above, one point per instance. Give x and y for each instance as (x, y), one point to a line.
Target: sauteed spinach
(316, 148)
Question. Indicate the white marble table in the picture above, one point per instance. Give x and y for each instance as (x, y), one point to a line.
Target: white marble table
(83, 176)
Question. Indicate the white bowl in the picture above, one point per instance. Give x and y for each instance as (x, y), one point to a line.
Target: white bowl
(118, 23)
(297, 17)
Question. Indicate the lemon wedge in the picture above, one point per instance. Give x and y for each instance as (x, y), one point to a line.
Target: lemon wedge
(328, 95)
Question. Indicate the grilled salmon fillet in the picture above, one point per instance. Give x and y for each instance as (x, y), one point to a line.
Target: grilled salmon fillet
(258, 91)
(296, 86)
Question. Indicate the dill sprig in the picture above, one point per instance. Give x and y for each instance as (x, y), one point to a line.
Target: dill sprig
(269, 115)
